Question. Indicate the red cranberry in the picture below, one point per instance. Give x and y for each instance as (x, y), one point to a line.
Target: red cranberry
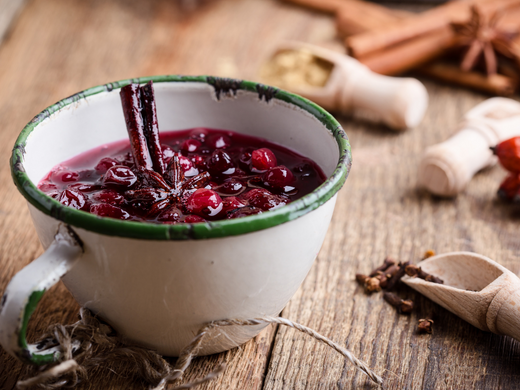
(204, 202)
(185, 163)
(220, 163)
(64, 176)
(54, 194)
(126, 159)
(231, 203)
(200, 163)
(109, 196)
(230, 187)
(172, 214)
(263, 159)
(199, 134)
(47, 186)
(74, 199)
(167, 153)
(193, 219)
(104, 164)
(244, 160)
(219, 141)
(278, 177)
(243, 212)
(120, 176)
(264, 200)
(238, 172)
(84, 187)
(107, 210)
(191, 145)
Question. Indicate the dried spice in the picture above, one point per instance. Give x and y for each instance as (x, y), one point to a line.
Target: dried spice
(371, 284)
(414, 271)
(482, 38)
(425, 325)
(294, 69)
(382, 268)
(428, 253)
(404, 306)
(388, 275)
(396, 277)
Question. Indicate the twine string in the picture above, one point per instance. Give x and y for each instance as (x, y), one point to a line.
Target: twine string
(89, 342)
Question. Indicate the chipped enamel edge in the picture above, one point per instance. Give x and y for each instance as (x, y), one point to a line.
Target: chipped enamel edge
(25, 291)
(142, 230)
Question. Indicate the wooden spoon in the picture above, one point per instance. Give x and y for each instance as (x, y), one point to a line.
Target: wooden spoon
(475, 288)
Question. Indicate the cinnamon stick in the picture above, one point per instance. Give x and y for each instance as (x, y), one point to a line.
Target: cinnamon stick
(329, 6)
(131, 102)
(431, 21)
(496, 84)
(151, 127)
(358, 16)
(410, 54)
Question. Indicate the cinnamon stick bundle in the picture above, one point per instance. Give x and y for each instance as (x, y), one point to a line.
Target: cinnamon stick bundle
(431, 21)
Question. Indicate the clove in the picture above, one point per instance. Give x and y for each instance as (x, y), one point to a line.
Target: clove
(388, 262)
(396, 277)
(425, 325)
(403, 305)
(414, 271)
(371, 284)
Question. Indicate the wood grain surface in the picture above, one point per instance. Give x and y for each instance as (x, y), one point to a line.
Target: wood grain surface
(58, 47)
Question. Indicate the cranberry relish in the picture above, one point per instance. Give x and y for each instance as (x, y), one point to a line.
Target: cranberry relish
(223, 175)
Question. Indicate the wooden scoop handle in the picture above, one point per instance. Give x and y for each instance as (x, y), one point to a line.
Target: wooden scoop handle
(446, 168)
(398, 102)
(352, 87)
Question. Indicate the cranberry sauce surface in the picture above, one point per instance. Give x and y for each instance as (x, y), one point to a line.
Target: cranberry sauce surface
(222, 175)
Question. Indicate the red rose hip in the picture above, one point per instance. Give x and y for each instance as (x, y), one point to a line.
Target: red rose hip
(509, 188)
(508, 153)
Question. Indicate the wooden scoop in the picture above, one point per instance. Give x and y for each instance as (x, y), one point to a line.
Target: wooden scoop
(475, 288)
(352, 88)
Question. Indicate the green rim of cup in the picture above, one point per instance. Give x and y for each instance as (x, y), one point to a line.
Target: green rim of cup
(204, 230)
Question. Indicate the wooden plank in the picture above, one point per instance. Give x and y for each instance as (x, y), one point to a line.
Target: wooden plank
(59, 47)
(380, 212)
(9, 10)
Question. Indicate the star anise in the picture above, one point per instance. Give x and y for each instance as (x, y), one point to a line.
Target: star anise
(160, 192)
(482, 37)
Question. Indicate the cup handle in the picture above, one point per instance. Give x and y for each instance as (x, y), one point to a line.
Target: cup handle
(25, 291)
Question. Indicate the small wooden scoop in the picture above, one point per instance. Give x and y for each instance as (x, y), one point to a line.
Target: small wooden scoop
(351, 87)
(475, 288)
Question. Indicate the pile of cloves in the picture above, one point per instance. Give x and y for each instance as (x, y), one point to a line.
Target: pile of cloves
(388, 275)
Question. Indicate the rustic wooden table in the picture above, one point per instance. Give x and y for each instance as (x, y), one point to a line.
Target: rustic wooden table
(58, 47)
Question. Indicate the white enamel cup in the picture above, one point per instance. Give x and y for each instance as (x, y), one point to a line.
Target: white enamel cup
(159, 284)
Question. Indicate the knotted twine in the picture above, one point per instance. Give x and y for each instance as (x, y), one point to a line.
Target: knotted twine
(90, 342)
